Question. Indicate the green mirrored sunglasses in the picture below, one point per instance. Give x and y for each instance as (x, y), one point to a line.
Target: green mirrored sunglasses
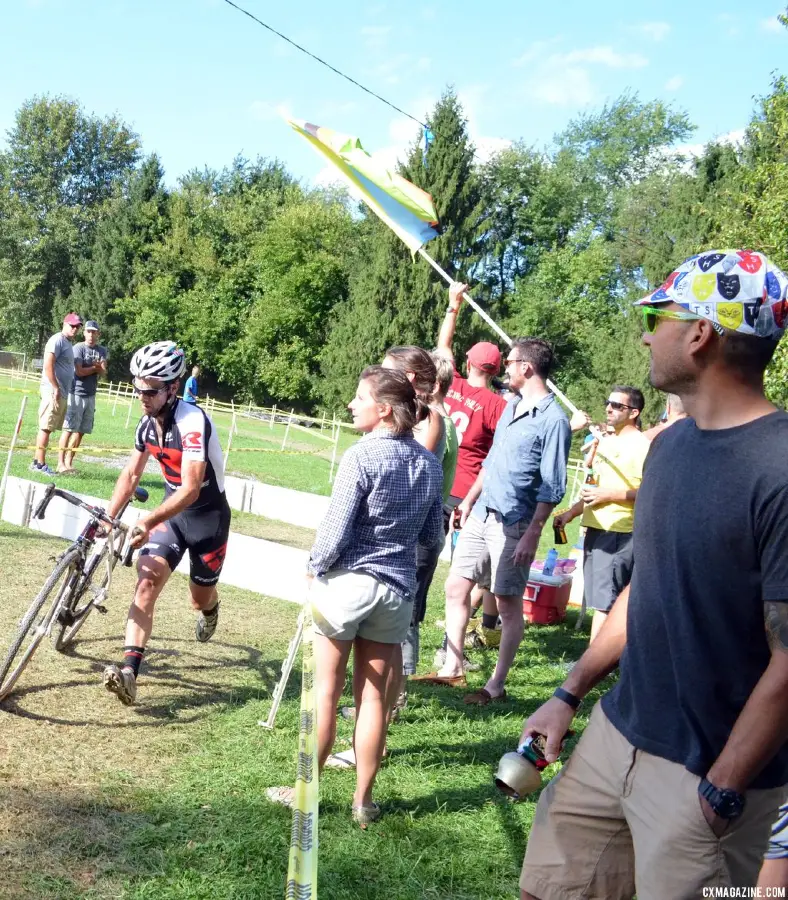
(652, 315)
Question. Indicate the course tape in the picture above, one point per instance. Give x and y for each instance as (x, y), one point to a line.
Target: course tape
(302, 861)
(22, 445)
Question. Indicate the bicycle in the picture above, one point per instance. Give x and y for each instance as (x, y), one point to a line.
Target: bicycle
(70, 585)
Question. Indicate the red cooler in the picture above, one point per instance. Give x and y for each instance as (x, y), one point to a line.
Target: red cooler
(545, 604)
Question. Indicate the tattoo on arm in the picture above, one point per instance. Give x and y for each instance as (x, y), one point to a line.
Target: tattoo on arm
(776, 617)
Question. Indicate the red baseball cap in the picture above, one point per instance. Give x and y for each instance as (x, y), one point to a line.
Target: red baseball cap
(72, 319)
(485, 356)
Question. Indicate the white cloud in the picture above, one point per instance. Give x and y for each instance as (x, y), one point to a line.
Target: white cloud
(265, 111)
(403, 130)
(772, 25)
(423, 64)
(487, 147)
(564, 78)
(656, 31)
(391, 69)
(559, 86)
(734, 138)
(674, 83)
(602, 56)
(537, 50)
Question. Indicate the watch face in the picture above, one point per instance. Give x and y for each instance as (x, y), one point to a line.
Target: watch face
(731, 805)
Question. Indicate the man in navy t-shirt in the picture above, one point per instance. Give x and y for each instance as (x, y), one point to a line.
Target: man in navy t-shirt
(677, 778)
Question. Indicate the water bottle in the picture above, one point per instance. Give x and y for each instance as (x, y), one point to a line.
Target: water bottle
(549, 563)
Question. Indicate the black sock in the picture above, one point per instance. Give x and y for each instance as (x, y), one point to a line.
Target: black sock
(489, 621)
(211, 613)
(474, 611)
(132, 657)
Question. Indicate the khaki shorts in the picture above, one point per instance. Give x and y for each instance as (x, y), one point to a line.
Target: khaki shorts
(484, 554)
(347, 605)
(616, 821)
(51, 415)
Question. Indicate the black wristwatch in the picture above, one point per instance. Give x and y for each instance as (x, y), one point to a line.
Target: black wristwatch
(727, 804)
(568, 698)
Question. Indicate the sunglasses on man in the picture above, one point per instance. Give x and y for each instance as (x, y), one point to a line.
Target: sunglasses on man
(148, 392)
(652, 315)
(614, 404)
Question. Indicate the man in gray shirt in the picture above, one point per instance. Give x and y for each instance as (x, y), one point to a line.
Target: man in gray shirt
(90, 361)
(57, 377)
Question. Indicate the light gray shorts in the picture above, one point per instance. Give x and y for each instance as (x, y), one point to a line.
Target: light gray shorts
(484, 554)
(346, 605)
(80, 413)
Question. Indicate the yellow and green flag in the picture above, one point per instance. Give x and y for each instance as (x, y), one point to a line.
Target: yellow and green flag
(406, 209)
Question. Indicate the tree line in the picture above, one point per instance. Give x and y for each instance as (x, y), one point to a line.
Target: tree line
(283, 292)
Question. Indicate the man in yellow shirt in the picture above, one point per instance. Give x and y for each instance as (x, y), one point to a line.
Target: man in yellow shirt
(608, 505)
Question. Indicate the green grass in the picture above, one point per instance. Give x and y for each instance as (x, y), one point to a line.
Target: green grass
(255, 451)
(166, 799)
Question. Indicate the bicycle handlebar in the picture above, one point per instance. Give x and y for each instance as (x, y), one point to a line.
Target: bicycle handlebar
(97, 512)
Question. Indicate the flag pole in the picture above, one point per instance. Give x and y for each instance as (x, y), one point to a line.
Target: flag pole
(499, 331)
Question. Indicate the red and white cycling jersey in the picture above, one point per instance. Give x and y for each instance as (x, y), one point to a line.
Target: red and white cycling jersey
(187, 434)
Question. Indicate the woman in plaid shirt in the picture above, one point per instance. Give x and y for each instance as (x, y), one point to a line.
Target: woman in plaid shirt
(386, 499)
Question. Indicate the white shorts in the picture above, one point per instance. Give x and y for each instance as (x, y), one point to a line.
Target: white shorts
(346, 605)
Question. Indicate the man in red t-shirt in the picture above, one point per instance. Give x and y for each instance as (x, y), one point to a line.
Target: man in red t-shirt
(474, 408)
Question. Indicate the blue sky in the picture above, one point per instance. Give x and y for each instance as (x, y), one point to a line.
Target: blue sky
(201, 83)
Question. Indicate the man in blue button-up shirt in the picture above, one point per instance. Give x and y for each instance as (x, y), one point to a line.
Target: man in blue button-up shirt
(523, 478)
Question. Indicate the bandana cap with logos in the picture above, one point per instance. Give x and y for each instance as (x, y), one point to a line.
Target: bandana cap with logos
(741, 290)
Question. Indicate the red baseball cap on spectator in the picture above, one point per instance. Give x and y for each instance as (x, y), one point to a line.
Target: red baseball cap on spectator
(72, 319)
(485, 356)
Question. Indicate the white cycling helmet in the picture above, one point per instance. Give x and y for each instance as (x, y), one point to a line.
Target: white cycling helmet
(163, 360)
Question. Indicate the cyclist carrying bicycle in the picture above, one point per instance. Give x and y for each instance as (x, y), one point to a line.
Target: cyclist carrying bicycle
(194, 516)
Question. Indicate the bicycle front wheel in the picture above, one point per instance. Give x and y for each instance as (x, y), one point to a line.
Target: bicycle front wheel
(76, 608)
(38, 618)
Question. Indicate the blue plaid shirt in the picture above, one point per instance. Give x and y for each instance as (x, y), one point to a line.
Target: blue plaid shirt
(386, 499)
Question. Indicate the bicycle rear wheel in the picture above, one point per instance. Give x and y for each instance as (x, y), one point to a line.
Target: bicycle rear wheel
(75, 611)
(37, 619)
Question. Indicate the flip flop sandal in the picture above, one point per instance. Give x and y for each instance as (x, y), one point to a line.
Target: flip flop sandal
(483, 698)
(344, 760)
(284, 796)
(365, 815)
(435, 678)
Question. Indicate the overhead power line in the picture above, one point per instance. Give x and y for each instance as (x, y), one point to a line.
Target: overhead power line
(322, 62)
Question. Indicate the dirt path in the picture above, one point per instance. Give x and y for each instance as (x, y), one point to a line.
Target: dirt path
(68, 749)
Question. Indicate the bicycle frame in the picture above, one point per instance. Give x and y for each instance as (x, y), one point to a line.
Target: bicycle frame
(87, 539)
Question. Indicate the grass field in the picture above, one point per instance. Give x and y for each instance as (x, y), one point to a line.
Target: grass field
(166, 799)
(254, 453)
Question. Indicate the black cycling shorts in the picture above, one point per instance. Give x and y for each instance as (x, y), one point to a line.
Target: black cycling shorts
(203, 532)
